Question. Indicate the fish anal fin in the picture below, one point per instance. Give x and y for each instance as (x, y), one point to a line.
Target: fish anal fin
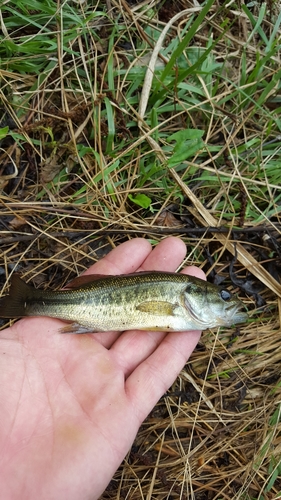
(76, 328)
(158, 308)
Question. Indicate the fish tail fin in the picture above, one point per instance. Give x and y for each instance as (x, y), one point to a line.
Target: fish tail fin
(14, 304)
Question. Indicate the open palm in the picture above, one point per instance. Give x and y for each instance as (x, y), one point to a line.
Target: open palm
(71, 405)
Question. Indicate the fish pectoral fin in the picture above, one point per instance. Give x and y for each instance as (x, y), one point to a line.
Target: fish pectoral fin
(162, 308)
(76, 328)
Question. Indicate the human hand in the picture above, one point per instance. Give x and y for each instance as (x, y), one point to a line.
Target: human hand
(71, 405)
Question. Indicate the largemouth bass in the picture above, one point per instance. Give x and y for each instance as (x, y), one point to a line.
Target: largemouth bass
(143, 301)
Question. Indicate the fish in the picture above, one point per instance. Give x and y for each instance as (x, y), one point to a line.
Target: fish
(154, 300)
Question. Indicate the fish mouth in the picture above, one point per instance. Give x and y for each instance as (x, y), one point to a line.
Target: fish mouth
(229, 315)
(238, 315)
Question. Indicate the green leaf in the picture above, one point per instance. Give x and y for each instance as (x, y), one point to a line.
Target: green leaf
(188, 143)
(3, 132)
(194, 23)
(110, 125)
(185, 135)
(140, 199)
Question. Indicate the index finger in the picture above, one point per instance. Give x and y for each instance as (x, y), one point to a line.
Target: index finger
(123, 259)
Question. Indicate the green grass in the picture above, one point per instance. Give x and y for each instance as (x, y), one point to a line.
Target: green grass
(60, 49)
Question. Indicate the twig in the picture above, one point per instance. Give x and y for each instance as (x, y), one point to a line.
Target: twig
(192, 231)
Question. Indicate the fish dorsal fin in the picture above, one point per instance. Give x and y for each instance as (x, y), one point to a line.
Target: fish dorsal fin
(85, 280)
(162, 308)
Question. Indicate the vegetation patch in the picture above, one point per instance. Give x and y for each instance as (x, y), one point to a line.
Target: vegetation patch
(125, 119)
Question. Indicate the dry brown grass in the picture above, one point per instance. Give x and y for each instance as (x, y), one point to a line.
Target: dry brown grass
(217, 433)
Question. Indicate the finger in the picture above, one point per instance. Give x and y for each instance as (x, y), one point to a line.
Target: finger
(133, 347)
(194, 271)
(124, 259)
(166, 256)
(152, 378)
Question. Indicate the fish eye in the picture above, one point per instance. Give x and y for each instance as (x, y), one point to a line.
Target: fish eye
(225, 295)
